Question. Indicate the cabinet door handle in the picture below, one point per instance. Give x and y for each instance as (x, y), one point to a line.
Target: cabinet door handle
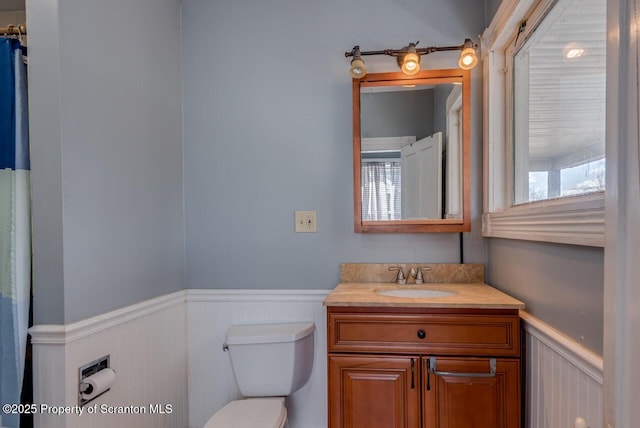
(413, 385)
(422, 334)
(427, 362)
(492, 370)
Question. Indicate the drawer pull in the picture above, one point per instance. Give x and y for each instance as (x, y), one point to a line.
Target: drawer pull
(492, 370)
(422, 334)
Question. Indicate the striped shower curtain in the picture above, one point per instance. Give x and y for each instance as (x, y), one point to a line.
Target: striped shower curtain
(15, 228)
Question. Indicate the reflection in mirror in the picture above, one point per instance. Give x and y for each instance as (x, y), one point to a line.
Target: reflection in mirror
(410, 152)
(411, 140)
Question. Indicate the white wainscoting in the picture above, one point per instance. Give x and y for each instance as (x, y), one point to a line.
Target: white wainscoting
(147, 347)
(170, 348)
(211, 382)
(563, 379)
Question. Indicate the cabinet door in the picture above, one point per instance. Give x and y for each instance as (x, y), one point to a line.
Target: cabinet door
(469, 393)
(374, 392)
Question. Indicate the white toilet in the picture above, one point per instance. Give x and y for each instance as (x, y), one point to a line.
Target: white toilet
(269, 361)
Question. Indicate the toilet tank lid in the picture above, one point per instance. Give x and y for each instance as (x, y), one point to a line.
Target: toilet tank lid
(268, 333)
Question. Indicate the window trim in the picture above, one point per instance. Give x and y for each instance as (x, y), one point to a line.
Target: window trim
(577, 220)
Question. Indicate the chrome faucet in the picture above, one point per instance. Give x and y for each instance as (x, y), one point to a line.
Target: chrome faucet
(418, 276)
(399, 278)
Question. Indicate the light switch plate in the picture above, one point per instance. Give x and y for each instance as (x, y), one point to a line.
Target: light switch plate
(305, 221)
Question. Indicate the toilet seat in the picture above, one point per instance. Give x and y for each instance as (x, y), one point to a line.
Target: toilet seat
(250, 413)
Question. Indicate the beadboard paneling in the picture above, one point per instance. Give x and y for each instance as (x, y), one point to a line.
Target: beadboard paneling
(49, 378)
(563, 379)
(211, 382)
(147, 345)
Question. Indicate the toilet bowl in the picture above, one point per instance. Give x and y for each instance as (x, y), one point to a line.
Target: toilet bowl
(269, 362)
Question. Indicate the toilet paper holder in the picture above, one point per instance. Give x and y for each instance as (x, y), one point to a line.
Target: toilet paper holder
(86, 371)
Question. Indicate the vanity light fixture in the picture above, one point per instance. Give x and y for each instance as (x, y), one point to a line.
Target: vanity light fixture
(358, 70)
(468, 58)
(408, 58)
(409, 62)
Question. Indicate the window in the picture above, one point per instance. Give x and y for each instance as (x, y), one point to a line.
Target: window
(575, 180)
(544, 78)
(559, 103)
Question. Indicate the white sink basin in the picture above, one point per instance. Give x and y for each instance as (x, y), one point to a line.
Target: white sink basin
(416, 292)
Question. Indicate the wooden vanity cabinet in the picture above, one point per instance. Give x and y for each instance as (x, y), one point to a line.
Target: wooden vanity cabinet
(423, 368)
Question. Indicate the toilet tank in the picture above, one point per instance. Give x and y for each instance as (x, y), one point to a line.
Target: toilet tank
(270, 360)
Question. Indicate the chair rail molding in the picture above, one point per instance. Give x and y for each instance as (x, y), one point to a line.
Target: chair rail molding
(578, 221)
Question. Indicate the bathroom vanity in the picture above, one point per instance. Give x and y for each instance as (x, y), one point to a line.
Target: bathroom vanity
(402, 361)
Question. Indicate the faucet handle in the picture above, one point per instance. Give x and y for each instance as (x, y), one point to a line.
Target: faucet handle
(419, 277)
(399, 277)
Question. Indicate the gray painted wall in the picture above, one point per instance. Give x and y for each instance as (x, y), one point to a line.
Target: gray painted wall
(560, 284)
(105, 90)
(441, 92)
(267, 131)
(396, 114)
(491, 7)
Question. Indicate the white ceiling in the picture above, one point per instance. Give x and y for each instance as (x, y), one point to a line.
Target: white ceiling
(566, 96)
(12, 5)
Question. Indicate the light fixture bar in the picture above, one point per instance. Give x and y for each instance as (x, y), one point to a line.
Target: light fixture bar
(468, 48)
(420, 51)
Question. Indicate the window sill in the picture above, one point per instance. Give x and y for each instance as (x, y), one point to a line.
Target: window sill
(577, 220)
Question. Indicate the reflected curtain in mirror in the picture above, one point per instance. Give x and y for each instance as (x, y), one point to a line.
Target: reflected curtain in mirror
(381, 189)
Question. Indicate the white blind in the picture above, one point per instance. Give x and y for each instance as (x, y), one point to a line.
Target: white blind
(381, 184)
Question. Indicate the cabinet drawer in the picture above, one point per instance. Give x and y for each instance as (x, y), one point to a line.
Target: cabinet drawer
(459, 334)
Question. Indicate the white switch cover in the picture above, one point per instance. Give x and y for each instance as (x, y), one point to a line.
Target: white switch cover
(305, 221)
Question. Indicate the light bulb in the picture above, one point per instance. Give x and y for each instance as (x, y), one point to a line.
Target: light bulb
(411, 63)
(468, 58)
(573, 50)
(358, 70)
(575, 53)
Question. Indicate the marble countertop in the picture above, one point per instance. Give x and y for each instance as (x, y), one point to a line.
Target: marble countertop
(469, 295)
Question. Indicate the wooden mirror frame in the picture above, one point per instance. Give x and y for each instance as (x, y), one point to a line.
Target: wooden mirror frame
(417, 225)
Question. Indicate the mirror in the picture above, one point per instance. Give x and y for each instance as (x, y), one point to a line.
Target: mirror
(411, 152)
